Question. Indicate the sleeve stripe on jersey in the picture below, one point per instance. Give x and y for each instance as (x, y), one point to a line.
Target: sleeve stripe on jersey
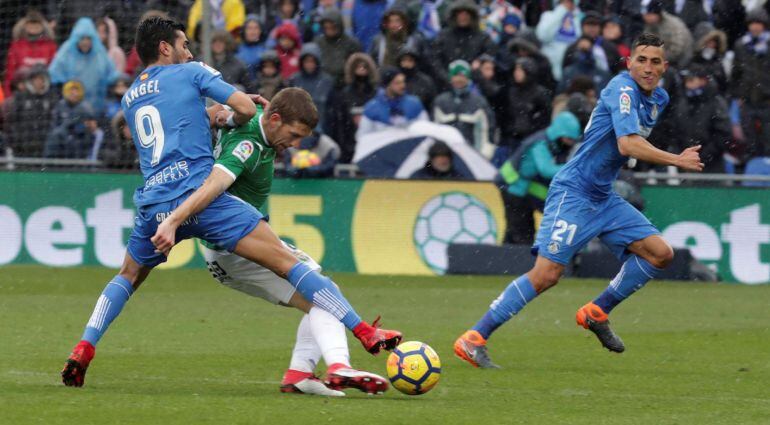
(223, 168)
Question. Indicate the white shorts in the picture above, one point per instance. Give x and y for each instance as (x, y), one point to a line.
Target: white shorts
(250, 278)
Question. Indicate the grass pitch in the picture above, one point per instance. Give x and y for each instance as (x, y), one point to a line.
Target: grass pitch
(188, 351)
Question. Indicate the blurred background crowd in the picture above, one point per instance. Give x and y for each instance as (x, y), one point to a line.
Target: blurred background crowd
(517, 79)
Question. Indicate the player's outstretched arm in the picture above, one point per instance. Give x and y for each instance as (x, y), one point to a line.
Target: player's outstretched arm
(243, 108)
(638, 147)
(214, 185)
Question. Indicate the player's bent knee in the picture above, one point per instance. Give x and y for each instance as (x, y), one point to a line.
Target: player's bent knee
(663, 257)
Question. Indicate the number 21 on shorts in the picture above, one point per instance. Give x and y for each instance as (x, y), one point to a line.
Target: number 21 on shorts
(560, 228)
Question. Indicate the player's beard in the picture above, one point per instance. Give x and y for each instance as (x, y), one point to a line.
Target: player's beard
(178, 57)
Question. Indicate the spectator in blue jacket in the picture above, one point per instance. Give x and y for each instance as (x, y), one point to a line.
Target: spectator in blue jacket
(391, 107)
(84, 57)
(524, 178)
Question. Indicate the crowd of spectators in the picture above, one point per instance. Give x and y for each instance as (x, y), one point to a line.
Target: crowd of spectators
(497, 70)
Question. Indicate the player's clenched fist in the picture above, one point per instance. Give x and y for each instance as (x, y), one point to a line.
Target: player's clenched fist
(689, 159)
(165, 237)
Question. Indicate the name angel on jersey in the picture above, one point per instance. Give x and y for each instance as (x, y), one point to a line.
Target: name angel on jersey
(148, 87)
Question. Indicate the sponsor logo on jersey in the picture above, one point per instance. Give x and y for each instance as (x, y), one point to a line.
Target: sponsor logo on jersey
(244, 150)
(625, 103)
(144, 76)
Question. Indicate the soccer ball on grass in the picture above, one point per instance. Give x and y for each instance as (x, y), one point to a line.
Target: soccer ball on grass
(414, 368)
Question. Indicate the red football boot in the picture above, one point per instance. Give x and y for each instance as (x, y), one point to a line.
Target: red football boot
(341, 376)
(74, 372)
(298, 382)
(375, 339)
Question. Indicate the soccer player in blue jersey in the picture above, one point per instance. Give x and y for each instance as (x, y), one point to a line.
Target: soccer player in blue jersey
(581, 205)
(165, 110)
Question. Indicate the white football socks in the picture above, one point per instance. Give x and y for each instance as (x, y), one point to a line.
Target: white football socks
(330, 336)
(306, 352)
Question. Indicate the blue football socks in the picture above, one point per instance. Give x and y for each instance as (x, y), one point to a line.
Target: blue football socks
(510, 302)
(108, 307)
(633, 275)
(323, 293)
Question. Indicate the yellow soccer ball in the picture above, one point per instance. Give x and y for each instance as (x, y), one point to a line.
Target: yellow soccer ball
(414, 368)
(304, 158)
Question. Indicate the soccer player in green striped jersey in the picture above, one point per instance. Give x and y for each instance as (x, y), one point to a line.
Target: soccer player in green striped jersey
(247, 155)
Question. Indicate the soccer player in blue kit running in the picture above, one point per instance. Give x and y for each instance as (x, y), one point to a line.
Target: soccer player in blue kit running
(581, 205)
(165, 110)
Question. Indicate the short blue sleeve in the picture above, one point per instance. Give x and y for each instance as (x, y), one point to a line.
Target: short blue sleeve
(623, 105)
(210, 82)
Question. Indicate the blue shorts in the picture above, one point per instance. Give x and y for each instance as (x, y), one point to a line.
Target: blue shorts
(227, 220)
(571, 220)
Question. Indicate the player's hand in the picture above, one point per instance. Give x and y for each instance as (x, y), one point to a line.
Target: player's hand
(259, 100)
(689, 159)
(165, 237)
(220, 119)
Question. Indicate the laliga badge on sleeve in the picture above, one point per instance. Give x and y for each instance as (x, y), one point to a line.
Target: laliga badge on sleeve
(625, 103)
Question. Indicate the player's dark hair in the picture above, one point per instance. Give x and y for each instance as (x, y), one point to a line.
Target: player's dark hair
(151, 32)
(646, 39)
(294, 105)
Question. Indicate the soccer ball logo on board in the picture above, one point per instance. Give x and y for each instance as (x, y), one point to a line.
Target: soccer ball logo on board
(451, 217)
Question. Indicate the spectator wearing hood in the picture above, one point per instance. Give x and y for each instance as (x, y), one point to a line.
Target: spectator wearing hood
(524, 178)
(557, 30)
(604, 52)
(710, 49)
(466, 110)
(417, 82)
(585, 63)
(29, 112)
(288, 46)
(223, 60)
(751, 81)
(311, 78)
(269, 79)
(313, 27)
(486, 79)
(367, 16)
(395, 34)
(227, 15)
(494, 15)
(672, 30)
(346, 106)
(252, 45)
(526, 107)
(32, 44)
(440, 165)
(461, 39)
(525, 44)
(83, 57)
(391, 106)
(703, 119)
(108, 34)
(74, 131)
(336, 46)
(322, 147)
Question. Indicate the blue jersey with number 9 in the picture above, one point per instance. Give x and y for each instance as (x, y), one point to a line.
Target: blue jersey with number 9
(165, 109)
